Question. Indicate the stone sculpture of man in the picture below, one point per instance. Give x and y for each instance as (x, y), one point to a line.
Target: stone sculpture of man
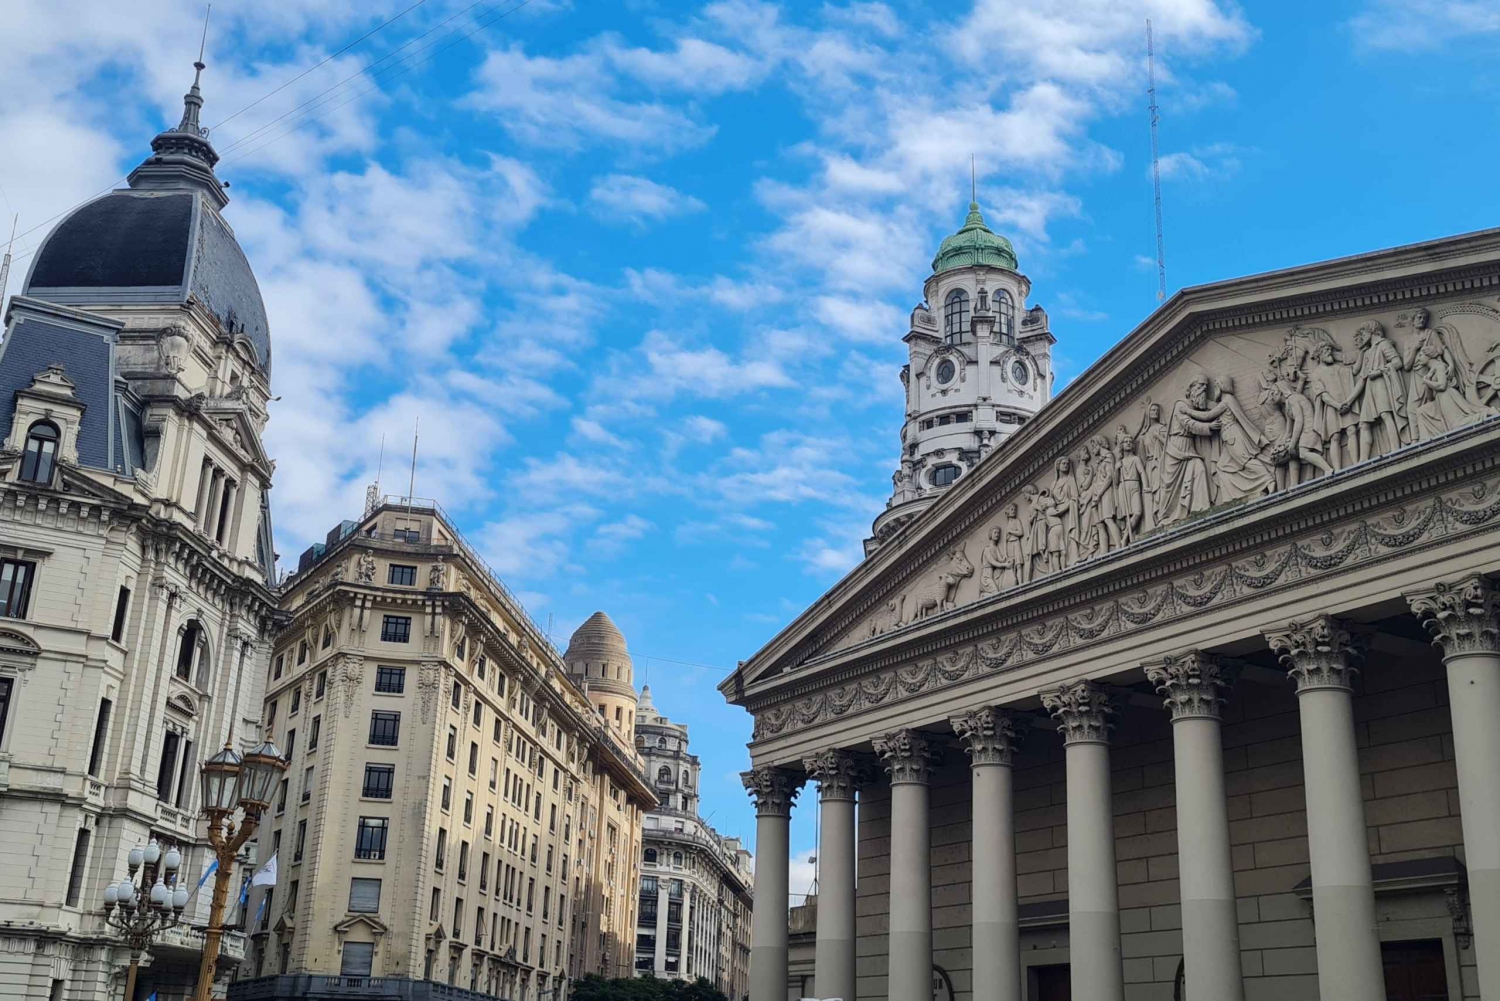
(1130, 474)
(1379, 390)
(1184, 474)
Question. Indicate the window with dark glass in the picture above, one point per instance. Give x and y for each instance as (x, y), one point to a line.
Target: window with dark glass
(122, 606)
(456, 696)
(395, 629)
(390, 680)
(385, 728)
(80, 866)
(956, 316)
(1006, 307)
(166, 770)
(474, 759)
(320, 687)
(944, 475)
(101, 734)
(301, 843)
(301, 653)
(7, 686)
(276, 668)
(402, 576)
(370, 840)
(451, 751)
(40, 457)
(440, 857)
(313, 733)
(463, 860)
(296, 706)
(380, 781)
(15, 588)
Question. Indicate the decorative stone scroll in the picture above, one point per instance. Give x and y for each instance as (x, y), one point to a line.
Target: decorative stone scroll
(907, 756)
(1082, 711)
(1317, 653)
(1191, 683)
(773, 789)
(839, 774)
(1463, 616)
(990, 735)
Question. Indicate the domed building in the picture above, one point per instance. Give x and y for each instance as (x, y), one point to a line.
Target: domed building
(135, 575)
(980, 366)
(599, 664)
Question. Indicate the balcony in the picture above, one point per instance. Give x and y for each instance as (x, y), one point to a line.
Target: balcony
(306, 987)
(186, 941)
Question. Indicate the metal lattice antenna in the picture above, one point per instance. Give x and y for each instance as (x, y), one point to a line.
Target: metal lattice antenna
(1161, 252)
(5, 261)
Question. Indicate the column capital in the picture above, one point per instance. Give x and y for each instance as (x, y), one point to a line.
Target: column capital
(839, 774)
(1190, 683)
(1463, 616)
(989, 734)
(907, 755)
(773, 790)
(1317, 652)
(1082, 711)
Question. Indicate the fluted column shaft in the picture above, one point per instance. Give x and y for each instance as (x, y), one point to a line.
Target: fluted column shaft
(1191, 683)
(990, 736)
(1462, 619)
(838, 774)
(1083, 712)
(773, 790)
(1317, 654)
(907, 758)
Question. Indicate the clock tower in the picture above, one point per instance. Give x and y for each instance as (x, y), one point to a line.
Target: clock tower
(980, 366)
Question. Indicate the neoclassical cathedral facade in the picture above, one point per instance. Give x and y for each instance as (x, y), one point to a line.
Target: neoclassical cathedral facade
(1189, 687)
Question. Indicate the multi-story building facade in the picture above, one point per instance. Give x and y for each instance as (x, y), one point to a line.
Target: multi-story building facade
(455, 810)
(135, 562)
(696, 886)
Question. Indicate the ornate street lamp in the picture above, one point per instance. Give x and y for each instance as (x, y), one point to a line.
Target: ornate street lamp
(232, 782)
(139, 910)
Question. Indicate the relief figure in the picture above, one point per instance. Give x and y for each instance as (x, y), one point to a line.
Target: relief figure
(1064, 506)
(1303, 440)
(992, 564)
(1439, 401)
(1184, 474)
(1013, 542)
(1131, 479)
(1379, 391)
(1034, 541)
(1151, 443)
(1239, 472)
(941, 593)
(1329, 385)
(1102, 498)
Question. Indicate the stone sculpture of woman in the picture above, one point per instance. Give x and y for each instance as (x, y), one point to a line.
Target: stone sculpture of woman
(1065, 504)
(1151, 443)
(1440, 402)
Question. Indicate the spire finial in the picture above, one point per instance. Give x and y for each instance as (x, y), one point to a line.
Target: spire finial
(203, 42)
(192, 101)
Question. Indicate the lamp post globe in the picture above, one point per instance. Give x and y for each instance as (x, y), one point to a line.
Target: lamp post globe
(221, 779)
(261, 767)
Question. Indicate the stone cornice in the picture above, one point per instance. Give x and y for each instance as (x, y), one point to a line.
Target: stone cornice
(1318, 653)
(1190, 684)
(1082, 711)
(839, 774)
(908, 757)
(1463, 616)
(773, 789)
(990, 735)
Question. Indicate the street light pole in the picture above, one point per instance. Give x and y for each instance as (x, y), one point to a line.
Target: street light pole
(142, 912)
(232, 782)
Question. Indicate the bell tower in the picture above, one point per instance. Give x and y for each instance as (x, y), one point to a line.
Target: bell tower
(980, 366)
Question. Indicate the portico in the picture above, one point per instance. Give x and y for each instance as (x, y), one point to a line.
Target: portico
(1248, 752)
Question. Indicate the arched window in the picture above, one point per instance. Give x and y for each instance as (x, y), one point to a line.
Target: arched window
(1006, 308)
(187, 650)
(651, 855)
(677, 860)
(41, 452)
(956, 316)
(664, 775)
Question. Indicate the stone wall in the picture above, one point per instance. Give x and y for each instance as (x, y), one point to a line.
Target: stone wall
(1411, 807)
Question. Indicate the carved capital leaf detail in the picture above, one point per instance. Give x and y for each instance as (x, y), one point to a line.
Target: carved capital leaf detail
(839, 774)
(907, 756)
(1463, 616)
(1190, 684)
(1082, 711)
(773, 789)
(990, 735)
(1318, 653)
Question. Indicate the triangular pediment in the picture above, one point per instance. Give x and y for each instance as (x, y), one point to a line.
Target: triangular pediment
(1227, 394)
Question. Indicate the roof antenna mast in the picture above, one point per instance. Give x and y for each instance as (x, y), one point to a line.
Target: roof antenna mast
(973, 181)
(1161, 252)
(5, 261)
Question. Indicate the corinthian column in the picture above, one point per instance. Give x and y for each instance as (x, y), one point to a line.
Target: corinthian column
(990, 736)
(773, 790)
(1462, 619)
(908, 759)
(1317, 654)
(838, 774)
(1082, 711)
(1191, 683)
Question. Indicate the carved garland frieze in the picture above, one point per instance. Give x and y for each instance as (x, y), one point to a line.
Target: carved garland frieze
(1337, 549)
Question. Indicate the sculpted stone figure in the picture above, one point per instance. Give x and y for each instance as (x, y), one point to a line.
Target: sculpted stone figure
(1151, 442)
(1239, 472)
(1034, 541)
(1102, 498)
(1184, 474)
(436, 575)
(1013, 541)
(1330, 383)
(1303, 441)
(1131, 479)
(941, 593)
(172, 346)
(1379, 391)
(1439, 403)
(992, 564)
(1064, 507)
(366, 568)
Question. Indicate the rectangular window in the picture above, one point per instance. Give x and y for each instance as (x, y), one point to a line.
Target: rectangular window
(473, 758)
(281, 797)
(301, 843)
(321, 687)
(301, 653)
(385, 728)
(451, 751)
(307, 784)
(15, 587)
(436, 908)
(122, 609)
(390, 680)
(395, 629)
(291, 744)
(499, 728)
(313, 733)
(358, 958)
(447, 800)
(277, 667)
(296, 701)
(494, 773)
(458, 918)
(80, 866)
(271, 716)
(7, 685)
(364, 895)
(441, 857)
(101, 735)
(468, 809)
(370, 841)
(478, 713)
(489, 821)
(167, 769)
(380, 781)
(463, 861)
(484, 871)
(402, 576)
(456, 697)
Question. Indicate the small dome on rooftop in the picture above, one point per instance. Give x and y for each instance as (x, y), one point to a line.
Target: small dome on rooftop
(974, 244)
(598, 639)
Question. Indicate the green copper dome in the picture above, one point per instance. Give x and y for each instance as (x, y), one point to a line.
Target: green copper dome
(975, 244)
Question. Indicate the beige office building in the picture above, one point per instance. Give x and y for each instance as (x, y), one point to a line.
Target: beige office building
(1190, 689)
(456, 813)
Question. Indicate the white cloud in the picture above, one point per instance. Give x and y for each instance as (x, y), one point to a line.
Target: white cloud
(611, 538)
(1404, 25)
(1202, 163)
(623, 197)
(594, 432)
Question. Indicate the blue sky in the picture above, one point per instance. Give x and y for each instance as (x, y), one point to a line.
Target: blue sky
(642, 268)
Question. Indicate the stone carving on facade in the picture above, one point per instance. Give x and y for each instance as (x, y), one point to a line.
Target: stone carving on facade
(172, 345)
(429, 681)
(1190, 684)
(1082, 711)
(939, 594)
(839, 774)
(437, 575)
(365, 568)
(906, 755)
(351, 675)
(1317, 653)
(991, 735)
(1462, 616)
(773, 789)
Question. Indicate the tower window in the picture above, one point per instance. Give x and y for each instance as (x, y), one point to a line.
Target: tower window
(944, 475)
(1006, 308)
(41, 452)
(946, 371)
(956, 316)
